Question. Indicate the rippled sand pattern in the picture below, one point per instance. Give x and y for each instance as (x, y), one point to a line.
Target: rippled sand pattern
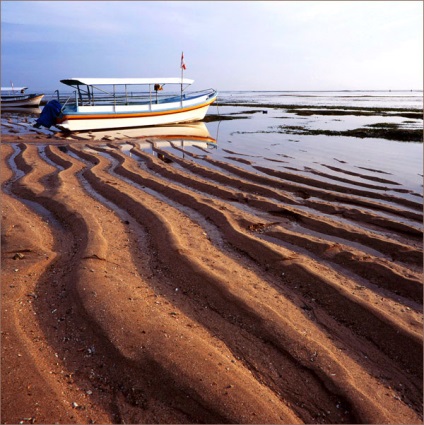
(158, 288)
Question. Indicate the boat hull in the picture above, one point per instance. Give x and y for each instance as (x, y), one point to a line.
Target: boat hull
(21, 101)
(99, 121)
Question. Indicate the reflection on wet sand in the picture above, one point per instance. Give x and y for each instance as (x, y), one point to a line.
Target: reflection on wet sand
(150, 139)
(192, 131)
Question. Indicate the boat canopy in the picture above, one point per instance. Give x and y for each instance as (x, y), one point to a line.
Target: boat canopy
(123, 81)
(13, 88)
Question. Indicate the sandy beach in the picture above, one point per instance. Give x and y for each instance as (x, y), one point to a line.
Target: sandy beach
(174, 287)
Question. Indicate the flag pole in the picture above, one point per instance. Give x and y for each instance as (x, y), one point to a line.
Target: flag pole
(182, 74)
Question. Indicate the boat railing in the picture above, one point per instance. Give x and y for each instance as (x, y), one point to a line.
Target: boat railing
(209, 92)
(130, 98)
(117, 99)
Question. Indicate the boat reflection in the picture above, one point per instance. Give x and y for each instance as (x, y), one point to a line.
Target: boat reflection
(181, 137)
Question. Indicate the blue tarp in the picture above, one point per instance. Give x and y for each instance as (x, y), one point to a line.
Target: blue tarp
(49, 114)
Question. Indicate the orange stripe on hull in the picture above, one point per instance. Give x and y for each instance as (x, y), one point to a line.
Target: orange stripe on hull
(131, 115)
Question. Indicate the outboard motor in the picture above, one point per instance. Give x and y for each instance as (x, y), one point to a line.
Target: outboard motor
(49, 114)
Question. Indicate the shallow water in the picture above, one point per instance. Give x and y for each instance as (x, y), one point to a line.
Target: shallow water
(260, 139)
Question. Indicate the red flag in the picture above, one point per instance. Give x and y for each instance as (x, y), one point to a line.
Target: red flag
(182, 61)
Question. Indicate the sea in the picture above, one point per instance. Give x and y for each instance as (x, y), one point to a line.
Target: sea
(408, 99)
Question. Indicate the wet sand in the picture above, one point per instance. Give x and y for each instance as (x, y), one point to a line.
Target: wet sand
(157, 288)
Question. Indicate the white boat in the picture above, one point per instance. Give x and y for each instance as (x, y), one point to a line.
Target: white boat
(16, 97)
(108, 103)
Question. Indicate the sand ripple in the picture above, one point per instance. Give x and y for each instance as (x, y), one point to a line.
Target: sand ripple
(169, 288)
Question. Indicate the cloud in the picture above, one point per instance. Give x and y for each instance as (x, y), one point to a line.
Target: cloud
(229, 44)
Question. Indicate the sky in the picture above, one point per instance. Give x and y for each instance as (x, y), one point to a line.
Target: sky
(227, 45)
